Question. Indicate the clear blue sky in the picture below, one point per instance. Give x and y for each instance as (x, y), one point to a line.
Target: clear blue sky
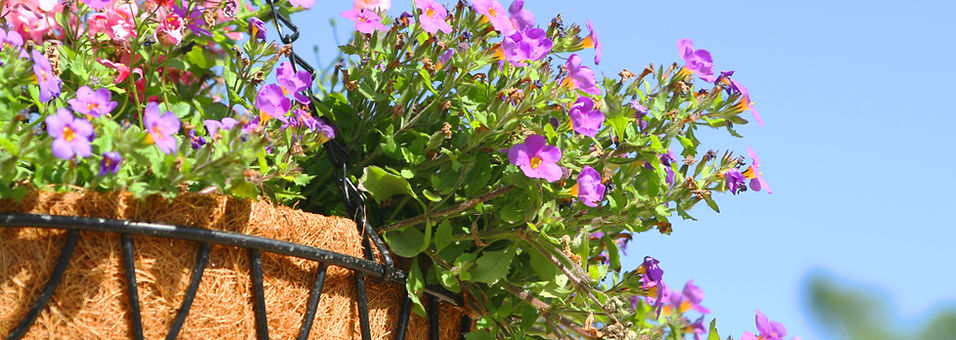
(857, 101)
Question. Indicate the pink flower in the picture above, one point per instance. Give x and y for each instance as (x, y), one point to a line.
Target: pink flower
(293, 83)
(433, 15)
(302, 3)
(580, 77)
(366, 21)
(96, 4)
(592, 41)
(122, 71)
(753, 174)
(161, 128)
(584, 118)
(698, 61)
(528, 45)
(170, 30)
(72, 136)
(375, 5)
(537, 159)
(496, 14)
(92, 103)
(745, 103)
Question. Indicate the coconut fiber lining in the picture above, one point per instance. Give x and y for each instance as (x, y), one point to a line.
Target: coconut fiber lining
(91, 301)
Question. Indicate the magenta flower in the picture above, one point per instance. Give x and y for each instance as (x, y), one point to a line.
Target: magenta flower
(445, 57)
(698, 61)
(272, 101)
(111, 162)
(213, 126)
(521, 18)
(736, 182)
(753, 174)
(71, 136)
(303, 118)
(529, 45)
(196, 141)
(592, 41)
(171, 30)
(302, 3)
(161, 129)
(688, 299)
(589, 188)
(433, 16)
(11, 39)
(652, 278)
(584, 118)
(537, 159)
(257, 29)
(49, 83)
(366, 21)
(580, 77)
(639, 112)
(496, 14)
(769, 330)
(745, 103)
(293, 83)
(92, 103)
(96, 4)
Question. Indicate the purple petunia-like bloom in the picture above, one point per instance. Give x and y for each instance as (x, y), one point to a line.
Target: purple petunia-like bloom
(433, 16)
(161, 128)
(639, 112)
(257, 29)
(49, 83)
(521, 18)
(688, 299)
(528, 45)
(536, 158)
(72, 136)
(580, 77)
(590, 190)
(92, 103)
(272, 101)
(735, 180)
(366, 21)
(745, 103)
(754, 175)
(293, 83)
(585, 119)
(652, 278)
(496, 14)
(769, 330)
(592, 41)
(111, 162)
(192, 16)
(698, 61)
(213, 126)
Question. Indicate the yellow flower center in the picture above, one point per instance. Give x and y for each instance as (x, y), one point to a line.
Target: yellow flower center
(68, 134)
(285, 92)
(535, 162)
(43, 75)
(750, 173)
(491, 12)
(430, 12)
(91, 106)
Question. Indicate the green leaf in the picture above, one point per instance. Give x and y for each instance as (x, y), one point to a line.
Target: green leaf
(9, 146)
(493, 265)
(713, 331)
(442, 236)
(711, 203)
(382, 184)
(430, 196)
(415, 285)
(198, 58)
(407, 242)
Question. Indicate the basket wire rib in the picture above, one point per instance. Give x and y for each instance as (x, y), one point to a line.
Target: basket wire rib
(352, 198)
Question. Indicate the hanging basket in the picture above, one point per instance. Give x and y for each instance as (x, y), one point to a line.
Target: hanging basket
(249, 264)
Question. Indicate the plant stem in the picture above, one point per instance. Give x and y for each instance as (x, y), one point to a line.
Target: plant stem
(445, 212)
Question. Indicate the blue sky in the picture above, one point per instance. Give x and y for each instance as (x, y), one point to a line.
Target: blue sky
(857, 102)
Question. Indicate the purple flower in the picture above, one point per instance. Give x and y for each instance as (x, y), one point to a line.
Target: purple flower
(592, 41)
(161, 129)
(365, 21)
(666, 160)
(96, 4)
(72, 136)
(528, 45)
(753, 174)
(580, 77)
(194, 15)
(257, 29)
(302, 3)
(111, 162)
(652, 278)
(735, 180)
(589, 188)
(521, 18)
(196, 141)
(537, 159)
(745, 103)
(272, 101)
(697, 328)
(293, 83)
(769, 330)
(639, 112)
(585, 119)
(689, 298)
(213, 126)
(698, 61)
(92, 103)
(433, 16)
(325, 131)
(495, 13)
(445, 57)
(49, 82)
